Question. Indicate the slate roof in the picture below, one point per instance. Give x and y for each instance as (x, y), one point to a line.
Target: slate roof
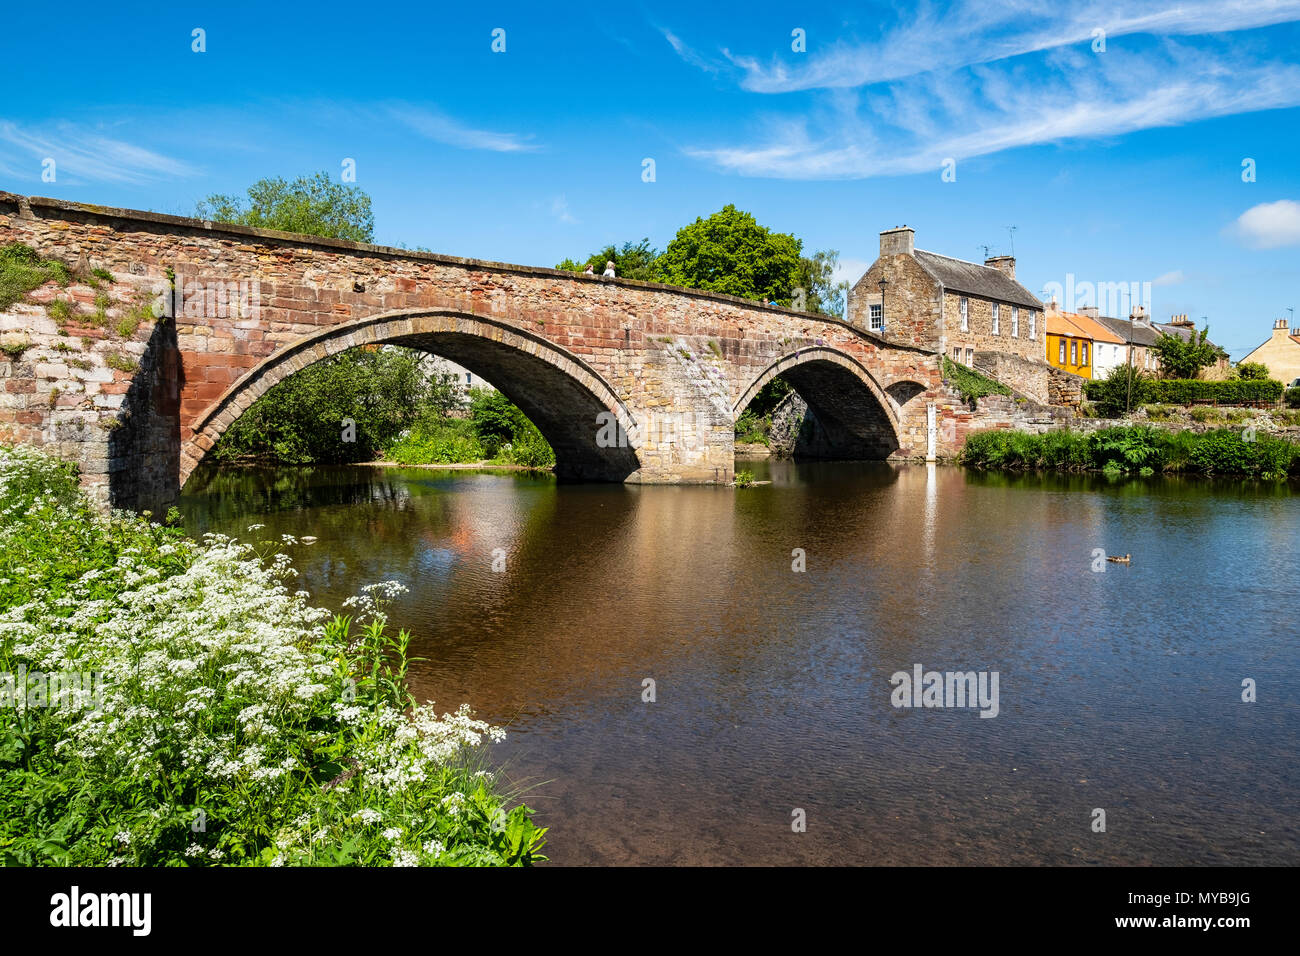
(958, 275)
(1142, 332)
(1080, 326)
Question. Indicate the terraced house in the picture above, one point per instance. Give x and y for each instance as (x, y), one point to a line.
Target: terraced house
(960, 308)
(1081, 345)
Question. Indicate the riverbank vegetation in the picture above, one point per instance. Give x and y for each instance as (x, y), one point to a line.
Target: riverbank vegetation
(495, 431)
(206, 714)
(1137, 449)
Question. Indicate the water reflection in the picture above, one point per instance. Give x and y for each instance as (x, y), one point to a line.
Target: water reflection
(1120, 689)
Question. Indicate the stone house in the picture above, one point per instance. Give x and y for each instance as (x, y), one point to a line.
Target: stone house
(948, 305)
(1281, 353)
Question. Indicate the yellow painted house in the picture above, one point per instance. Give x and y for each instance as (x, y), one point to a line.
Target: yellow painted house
(1073, 340)
(1068, 346)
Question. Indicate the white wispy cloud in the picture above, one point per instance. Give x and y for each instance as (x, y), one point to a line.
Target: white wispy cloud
(917, 124)
(688, 54)
(1270, 224)
(1175, 277)
(83, 154)
(439, 127)
(965, 34)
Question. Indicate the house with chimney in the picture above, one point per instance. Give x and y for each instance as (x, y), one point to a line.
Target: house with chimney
(1281, 353)
(959, 308)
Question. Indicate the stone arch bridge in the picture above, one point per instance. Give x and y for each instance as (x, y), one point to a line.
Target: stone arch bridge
(629, 381)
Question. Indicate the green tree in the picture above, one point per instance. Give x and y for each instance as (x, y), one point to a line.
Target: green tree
(731, 253)
(632, 261)
(1253, 371)
(310, 205)
(822, 293)
(1184, 358)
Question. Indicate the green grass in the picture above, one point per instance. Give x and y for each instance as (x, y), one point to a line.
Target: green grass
(22, 270)
(15, 348)
(60, 310)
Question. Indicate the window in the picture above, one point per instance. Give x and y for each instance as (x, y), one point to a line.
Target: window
(1015, 322)
(1074, 353)
(469, 378)
(970, 356)
(877, 318)
(1084, 353)
(1032, 316)
(965, 315)
(1061, 360)
(995, 319)
(956, 354)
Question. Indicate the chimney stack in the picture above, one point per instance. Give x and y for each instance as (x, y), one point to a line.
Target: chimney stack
(1091, 311)
(1279, 324)
(900, 241)
(1139, 314)
(1181, 321)
(1004, 264)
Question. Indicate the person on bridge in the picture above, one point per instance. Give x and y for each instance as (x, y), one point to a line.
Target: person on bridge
(609, 269)
(591, 270)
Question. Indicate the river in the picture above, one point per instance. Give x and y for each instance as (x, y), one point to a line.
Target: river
(1118, 690)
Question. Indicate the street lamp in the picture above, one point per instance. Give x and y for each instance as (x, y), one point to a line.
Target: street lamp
(882, 283)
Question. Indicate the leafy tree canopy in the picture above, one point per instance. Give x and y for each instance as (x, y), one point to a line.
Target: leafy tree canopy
(731, 253)
(1253, 371)
(310, 205)
(1184, 358)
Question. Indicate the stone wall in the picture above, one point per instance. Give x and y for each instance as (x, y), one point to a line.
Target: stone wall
(1029, 378)
(1064, 388)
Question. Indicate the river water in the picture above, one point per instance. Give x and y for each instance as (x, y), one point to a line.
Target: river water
(1118, 690)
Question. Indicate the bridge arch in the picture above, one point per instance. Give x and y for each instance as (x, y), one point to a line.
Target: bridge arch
(852, 416)
(562, 394)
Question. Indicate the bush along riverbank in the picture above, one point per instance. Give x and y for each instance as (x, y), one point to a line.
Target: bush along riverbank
(171, 702)
(1137, 449)
(496, 432)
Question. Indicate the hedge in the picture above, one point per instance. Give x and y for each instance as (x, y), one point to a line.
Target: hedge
(1189, 391)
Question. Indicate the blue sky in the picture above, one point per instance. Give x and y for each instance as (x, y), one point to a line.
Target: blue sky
(1115, 165)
